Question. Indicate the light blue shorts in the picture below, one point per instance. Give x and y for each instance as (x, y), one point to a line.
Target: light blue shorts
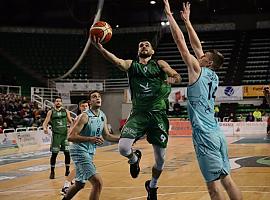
(84, 165)
(212, 154)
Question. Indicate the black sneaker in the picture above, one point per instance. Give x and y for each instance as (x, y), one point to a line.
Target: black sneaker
(64, 190)
(134, 168)
(67, 173)
(52, 175)
(151, 192)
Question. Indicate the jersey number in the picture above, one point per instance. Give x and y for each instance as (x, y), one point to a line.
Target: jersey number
(213, 93)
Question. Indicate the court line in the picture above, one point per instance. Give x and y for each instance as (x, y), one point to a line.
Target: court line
(165, 194)
(115, 187)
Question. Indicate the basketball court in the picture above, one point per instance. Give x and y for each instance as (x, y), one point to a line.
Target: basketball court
(26, 175)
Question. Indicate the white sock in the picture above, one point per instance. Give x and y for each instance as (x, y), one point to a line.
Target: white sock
(133, 159)
(66, 184)
(153, 183)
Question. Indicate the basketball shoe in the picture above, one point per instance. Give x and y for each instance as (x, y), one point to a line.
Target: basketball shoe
(151, 192)
(134, 168)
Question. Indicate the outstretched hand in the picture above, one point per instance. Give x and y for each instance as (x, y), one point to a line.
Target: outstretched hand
(185, 13)
(167, 8)
(96, 42)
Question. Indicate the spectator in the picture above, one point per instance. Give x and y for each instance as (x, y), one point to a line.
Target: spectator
(232, 118)
(257, 115)
(250, 117)
(266, 92)
(176, 109)
(216, 111)
(241, 118)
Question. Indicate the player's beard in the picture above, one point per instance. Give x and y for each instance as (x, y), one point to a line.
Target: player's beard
(58, 106)
(144, 55)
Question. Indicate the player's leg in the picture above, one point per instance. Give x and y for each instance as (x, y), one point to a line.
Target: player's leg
(65, 149)
(215, 190)
(226, 180)
(73, 190)
(97, 183)
(133, 129)
(158, 137)
(231, 188)
(151, 185)
(134, 157)
(53, 162)
(55, 148)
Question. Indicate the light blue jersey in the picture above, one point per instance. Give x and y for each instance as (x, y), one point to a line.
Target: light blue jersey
(82, 153)
(209, 142)
(94, 127)
(201, 101)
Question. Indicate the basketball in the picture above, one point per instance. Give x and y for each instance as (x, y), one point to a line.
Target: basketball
(101, 30)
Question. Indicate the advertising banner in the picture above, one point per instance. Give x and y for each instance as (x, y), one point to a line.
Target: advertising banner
(78, 86)
(229, 93)
(178, 94)
(253, 90)
(227, 128)
(179, 128)
(250, 128)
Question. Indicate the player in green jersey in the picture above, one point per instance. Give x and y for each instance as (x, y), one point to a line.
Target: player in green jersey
(59, 118)
(149, 82)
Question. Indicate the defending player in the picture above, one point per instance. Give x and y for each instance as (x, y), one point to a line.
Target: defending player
(85, 135)
(209, 142)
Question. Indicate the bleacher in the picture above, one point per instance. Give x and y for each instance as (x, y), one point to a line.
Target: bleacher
(247, 54)
(257, 67)
(225, 43)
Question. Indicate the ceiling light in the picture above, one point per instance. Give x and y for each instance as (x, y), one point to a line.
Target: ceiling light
(152, 2)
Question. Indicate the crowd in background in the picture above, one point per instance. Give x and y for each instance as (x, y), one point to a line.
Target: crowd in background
(18, 111)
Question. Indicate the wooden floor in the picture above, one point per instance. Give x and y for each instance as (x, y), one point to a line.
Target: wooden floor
(181, 179)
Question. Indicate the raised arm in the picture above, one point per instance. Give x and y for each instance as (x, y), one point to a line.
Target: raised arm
(193, 37)
(123, 65)
(191, 62)
(74, 135)
(107, 135)
(46, 121)
(176, 78)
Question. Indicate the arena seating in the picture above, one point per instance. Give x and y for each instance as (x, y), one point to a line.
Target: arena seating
(247, 54)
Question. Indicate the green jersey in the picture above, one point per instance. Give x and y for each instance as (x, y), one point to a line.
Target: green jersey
(59, 121)
(149, 91)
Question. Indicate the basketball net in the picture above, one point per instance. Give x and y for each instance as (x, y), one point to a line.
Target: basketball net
(97, 17)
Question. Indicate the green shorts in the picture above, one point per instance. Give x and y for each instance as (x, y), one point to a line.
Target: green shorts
(154, 124)
(59, 143)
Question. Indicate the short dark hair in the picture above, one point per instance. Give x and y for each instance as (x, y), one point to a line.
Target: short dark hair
(217, 58)
(82, 102)
(146, 40)
(58, 97)
(93, 91)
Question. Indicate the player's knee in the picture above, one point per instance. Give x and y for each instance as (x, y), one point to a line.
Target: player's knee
(79, 185)
(96, 182)
(213, 191)
(124, 151)
(124, 147)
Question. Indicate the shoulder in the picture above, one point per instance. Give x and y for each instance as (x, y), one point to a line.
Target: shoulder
(162, 63)
(83, 118)
(102, 114)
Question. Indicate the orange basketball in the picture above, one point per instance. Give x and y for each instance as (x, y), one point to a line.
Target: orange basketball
(101, 30)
